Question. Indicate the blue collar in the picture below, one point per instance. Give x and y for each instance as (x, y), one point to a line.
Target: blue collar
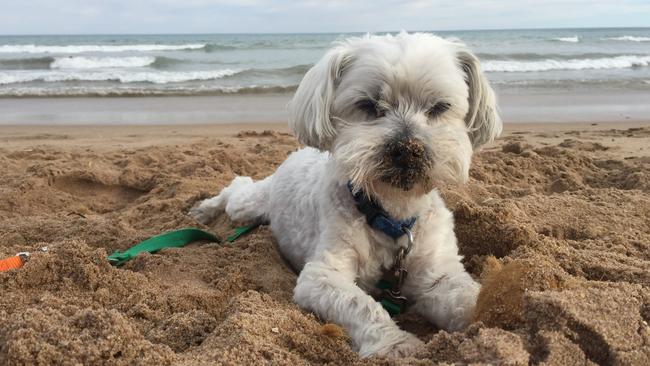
(378, 218)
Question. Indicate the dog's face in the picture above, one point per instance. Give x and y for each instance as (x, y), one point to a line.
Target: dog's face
(398, 113)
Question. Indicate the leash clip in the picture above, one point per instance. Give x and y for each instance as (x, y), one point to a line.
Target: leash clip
(409, 237)
(26, 255)
(391, 298)
(399, 268)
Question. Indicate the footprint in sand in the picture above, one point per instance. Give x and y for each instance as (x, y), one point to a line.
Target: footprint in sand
(97, 196)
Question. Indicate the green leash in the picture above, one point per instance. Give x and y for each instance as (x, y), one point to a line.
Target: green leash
(173, 239)
(391, 307)
(241, 231)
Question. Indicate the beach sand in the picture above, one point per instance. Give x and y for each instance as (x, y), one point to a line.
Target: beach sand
(555, 223)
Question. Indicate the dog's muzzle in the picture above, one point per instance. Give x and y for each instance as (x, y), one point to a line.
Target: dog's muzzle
(406, 162)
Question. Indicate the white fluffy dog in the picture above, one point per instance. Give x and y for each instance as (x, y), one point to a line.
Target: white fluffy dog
(387, 119)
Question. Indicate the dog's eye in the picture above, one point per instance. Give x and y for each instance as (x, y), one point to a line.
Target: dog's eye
(371, 108)
(438, 109)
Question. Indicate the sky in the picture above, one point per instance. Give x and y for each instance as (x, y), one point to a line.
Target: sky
(310, 16)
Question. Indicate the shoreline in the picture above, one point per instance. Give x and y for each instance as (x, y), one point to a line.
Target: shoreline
(111, 137)
(524, 107)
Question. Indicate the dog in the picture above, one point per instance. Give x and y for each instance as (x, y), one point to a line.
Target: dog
(386, 119)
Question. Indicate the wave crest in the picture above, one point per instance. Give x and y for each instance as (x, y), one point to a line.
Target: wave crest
(620, 62)
(81, 62)
(72, 49)
(627, 39)
(160, 77)
(574, 39)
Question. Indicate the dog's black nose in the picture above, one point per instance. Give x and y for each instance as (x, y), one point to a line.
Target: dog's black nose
(406, 153)
(406, 161)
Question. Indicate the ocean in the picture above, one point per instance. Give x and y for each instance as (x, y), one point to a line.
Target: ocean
(149, 65)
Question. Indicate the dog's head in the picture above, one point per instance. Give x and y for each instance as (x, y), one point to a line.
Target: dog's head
(398, 113)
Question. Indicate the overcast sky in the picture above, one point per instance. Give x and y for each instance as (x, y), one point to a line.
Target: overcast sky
(285, 16)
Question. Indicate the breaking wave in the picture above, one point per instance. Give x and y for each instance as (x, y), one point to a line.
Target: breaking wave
(157, 77)
(574, 39)
(73, 49)
(628, 39)
(620, 62)
(81, 62)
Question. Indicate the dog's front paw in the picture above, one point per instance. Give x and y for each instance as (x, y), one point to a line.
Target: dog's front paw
(461, 302)
(405, 347)
(406, 344)
(203, 212)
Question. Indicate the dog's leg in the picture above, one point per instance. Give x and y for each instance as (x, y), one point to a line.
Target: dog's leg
(443, 292)
(243, 200)
(328, 289)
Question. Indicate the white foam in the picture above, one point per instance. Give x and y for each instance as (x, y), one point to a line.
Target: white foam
(628, 39)
(620, 62)
(161, 77)
(81, 62)
(72, 49)
(134, 90)
(574, 39)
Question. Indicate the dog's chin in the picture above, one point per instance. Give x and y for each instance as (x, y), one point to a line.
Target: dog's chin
(398, 202)
(413, 186)
(395, 188)
(421, 182)
(409, 182)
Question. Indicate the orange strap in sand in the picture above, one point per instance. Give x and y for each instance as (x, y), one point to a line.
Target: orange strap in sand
(14, 262)
(17, 261)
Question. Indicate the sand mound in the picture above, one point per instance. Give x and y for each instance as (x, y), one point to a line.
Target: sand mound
(556, 229)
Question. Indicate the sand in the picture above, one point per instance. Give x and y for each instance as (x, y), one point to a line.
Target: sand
(527, 105)
(555, 223)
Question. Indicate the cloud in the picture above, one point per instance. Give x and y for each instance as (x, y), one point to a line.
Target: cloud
(279, 16)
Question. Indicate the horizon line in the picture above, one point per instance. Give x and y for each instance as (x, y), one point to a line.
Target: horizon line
(329, 32)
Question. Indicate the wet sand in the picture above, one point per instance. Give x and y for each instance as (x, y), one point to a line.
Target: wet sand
(526, 106)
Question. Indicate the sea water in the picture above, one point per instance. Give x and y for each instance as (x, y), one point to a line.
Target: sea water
(147, 65)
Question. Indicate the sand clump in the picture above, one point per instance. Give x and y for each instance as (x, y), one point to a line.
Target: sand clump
(555, 226)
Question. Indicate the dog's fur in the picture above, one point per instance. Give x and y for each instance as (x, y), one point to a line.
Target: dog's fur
(394, 116)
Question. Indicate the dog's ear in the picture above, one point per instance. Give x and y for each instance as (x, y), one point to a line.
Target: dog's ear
(482, 119)
(309, 111)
